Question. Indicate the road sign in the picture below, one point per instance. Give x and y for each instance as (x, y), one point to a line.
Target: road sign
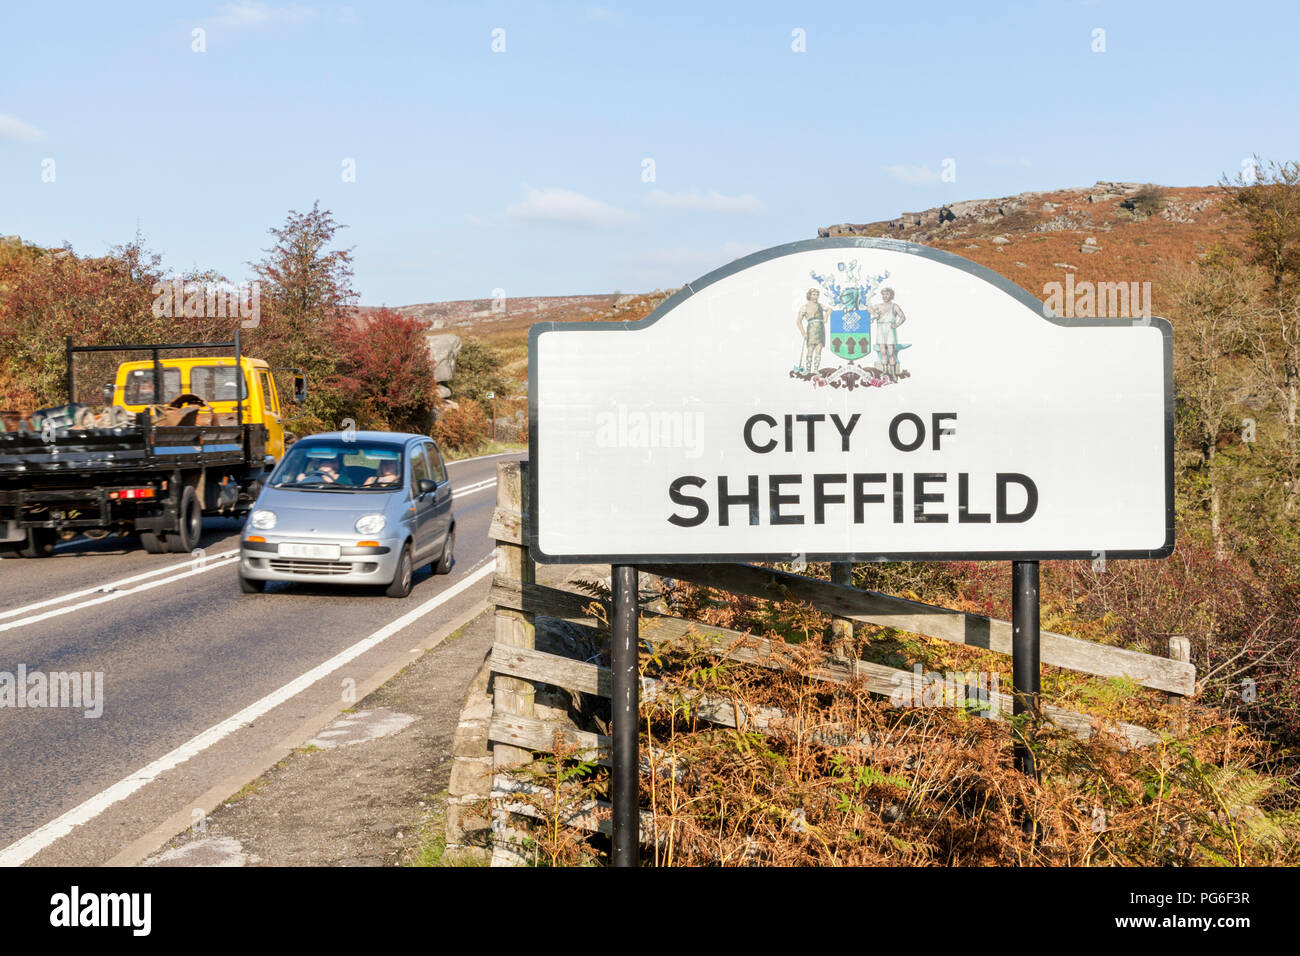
(851, 400)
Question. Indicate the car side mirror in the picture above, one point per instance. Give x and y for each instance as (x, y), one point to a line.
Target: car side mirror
(427, 485)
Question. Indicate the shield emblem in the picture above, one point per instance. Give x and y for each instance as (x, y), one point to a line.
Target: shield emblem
(850, 336)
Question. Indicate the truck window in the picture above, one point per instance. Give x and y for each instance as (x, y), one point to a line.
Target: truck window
(139, 386)
(216, 383)
(270, 400)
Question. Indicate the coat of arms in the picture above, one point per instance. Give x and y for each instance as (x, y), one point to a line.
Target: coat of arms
(863, 334)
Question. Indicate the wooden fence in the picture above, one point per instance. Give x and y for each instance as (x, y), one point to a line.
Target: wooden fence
(516, 666)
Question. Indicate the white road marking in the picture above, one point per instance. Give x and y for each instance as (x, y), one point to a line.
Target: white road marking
(476, 487)
(111, 586)
(209, 563)
(20, 851)
(499, 454)
(114, 586)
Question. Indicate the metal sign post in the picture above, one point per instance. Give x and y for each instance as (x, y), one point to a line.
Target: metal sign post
(625, 718)
(1025, 668)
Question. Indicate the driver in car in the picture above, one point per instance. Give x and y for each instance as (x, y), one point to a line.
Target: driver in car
(326, 469)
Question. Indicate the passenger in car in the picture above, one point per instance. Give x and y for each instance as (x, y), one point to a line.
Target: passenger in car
(386, 475)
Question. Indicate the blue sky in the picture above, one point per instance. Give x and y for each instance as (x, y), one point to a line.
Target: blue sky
(524, 170)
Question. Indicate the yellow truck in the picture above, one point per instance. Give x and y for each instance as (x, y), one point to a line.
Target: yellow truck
(176, 438)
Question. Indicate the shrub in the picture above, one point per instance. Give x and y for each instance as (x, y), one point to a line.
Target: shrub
(462, 427)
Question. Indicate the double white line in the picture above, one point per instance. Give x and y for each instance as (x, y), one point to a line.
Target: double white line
(113, 590)
(101, 594)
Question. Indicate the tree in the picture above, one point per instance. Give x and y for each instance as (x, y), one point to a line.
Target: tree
(478, 371)
(1210, 301)
(386, 370)
(51, 294)
(1269, 206)
(307, 297)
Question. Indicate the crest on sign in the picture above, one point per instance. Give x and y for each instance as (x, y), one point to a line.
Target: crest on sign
(861, 347)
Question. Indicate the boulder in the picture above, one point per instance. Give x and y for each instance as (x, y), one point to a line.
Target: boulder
(443, 349)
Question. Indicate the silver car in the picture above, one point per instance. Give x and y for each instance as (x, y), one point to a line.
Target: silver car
(351, 508)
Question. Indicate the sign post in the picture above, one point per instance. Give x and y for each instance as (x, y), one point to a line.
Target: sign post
(1026, 672)
(848, 400)
(624, 719)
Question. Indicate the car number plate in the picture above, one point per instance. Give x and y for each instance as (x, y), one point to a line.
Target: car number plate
(291, 550)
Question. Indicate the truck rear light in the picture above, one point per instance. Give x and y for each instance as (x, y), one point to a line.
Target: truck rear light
(127, 493)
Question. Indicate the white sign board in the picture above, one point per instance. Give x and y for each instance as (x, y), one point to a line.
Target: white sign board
(851, 400)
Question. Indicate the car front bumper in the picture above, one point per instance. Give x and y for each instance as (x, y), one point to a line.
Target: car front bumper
(262, 561)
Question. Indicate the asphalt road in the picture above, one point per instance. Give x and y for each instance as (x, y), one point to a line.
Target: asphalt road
(201, 683)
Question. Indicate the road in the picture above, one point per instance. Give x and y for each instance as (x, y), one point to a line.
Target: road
(202, 684)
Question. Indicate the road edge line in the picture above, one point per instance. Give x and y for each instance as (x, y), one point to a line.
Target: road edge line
(146, 846)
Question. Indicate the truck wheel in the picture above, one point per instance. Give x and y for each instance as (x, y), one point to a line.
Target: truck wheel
(401, 584)
(443, 564)
(251, 587)
(40, 543)
(186, 538)
(154, 542)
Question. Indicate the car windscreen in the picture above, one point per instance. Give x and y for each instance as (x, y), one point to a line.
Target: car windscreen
(366, 466)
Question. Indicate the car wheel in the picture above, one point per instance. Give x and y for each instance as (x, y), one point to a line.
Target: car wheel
(186, 538)
(401, 583)
(40, 543)
(249, 586)
(443, 564)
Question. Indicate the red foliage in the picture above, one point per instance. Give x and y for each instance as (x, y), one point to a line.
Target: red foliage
(386, 369)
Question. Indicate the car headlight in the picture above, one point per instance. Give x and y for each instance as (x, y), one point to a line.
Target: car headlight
(262, 520)
(371, 524)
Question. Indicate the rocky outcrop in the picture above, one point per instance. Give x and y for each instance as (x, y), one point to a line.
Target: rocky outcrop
(443, 349)
(961, 218)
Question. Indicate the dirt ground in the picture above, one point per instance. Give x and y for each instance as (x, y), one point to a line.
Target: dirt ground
(365, 791)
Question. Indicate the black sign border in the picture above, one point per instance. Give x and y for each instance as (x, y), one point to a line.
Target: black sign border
(843, 242)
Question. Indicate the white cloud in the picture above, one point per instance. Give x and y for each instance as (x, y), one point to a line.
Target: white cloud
(566, 206)
(711, 201)
(914, 175)
(253, 13)
(12, 128)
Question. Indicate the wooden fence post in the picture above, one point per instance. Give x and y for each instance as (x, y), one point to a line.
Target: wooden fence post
(515, 568)
(842, 627)
(1180, 649)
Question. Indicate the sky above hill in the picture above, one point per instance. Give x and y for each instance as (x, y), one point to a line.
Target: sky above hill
(561, 148)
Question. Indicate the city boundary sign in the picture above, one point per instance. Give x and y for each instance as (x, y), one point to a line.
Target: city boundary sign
(851, 400)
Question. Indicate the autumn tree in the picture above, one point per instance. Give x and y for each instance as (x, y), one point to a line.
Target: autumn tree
(306, 297)
(1269, 206)
(1209, 303)
(47, 295)
(386, 372)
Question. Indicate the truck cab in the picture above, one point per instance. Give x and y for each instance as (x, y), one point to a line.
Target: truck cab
(214, 380)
